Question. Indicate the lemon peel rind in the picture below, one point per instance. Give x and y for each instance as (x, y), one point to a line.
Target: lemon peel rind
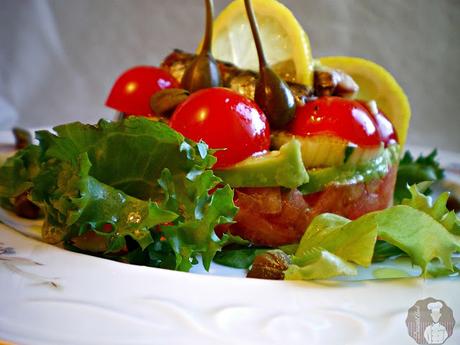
(300, 43)
(400, 112)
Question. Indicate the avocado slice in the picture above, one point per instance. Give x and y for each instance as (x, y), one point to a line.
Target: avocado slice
(349, 173)
(277, 168)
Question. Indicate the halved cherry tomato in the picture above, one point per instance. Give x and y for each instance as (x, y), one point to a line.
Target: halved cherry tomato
(384, 126)
(344, 118)
(132, 90)
(226, 120)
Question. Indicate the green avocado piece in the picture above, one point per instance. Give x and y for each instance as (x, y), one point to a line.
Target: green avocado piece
(350, 173)
(278, 168)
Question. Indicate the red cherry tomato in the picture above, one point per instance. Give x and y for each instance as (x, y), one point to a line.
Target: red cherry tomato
(132, 91)
(386, 130)
(223, 119)
(384, 126)
(339, 117)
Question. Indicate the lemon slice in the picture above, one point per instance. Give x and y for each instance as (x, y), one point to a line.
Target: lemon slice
(376, 83)
(286, 46)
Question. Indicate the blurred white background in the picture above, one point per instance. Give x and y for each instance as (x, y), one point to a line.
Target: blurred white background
(59, 58)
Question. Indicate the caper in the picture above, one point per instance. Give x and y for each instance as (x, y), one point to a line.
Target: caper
(164, 102)
(272, 93)
(203, 72)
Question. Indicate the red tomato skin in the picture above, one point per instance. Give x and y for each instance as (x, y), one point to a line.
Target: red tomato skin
(384, 126)
(132, 90)
(224, 120)
(386, 129)
(336, 116)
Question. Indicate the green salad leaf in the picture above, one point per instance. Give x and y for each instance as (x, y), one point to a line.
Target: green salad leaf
(384, 250)
(79, 203)
(200, 212)
(16, 174)
(437, 210)
(318, 263)
(418, 235)
(424, 230)
(240, 257)
(137, 185)
(410, 172)
(352, 241)
(331, 245)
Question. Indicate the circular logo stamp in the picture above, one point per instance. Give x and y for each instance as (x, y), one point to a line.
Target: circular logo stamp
(430, 321)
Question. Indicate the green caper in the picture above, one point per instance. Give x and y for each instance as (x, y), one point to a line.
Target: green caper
(272, 93)
(164, 102)
(203, 72)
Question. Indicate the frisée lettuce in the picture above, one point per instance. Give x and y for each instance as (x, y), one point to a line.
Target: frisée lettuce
(129, 186)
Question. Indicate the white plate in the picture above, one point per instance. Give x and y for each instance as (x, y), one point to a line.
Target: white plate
(52, 296)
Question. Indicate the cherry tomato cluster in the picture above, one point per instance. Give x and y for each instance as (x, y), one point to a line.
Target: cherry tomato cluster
(233, 123)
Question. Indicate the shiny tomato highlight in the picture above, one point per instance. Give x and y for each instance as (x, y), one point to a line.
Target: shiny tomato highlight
(341, 117)
(385, 128)
(224, 120)
(132, 90)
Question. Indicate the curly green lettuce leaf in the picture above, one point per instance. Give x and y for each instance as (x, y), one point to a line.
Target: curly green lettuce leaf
(353, 241)
(17, 172)
(238, 257)
(124, 181)
(418, 235)
(410, 172)
(128, 155)
(79, 203)
(437, 269)
(437, 210)
(384, 250)
(200, 212)
(318, 263)
(428, 231)
(331, 246)
(424, 230)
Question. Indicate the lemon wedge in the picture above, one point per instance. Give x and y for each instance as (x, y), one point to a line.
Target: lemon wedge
(376, 83)
(286, 46)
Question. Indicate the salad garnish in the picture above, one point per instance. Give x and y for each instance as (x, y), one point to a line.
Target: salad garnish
(119, 187)
(410, 171)
(203, 71)
(289, 172)
(100, 191)
(424, 230)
